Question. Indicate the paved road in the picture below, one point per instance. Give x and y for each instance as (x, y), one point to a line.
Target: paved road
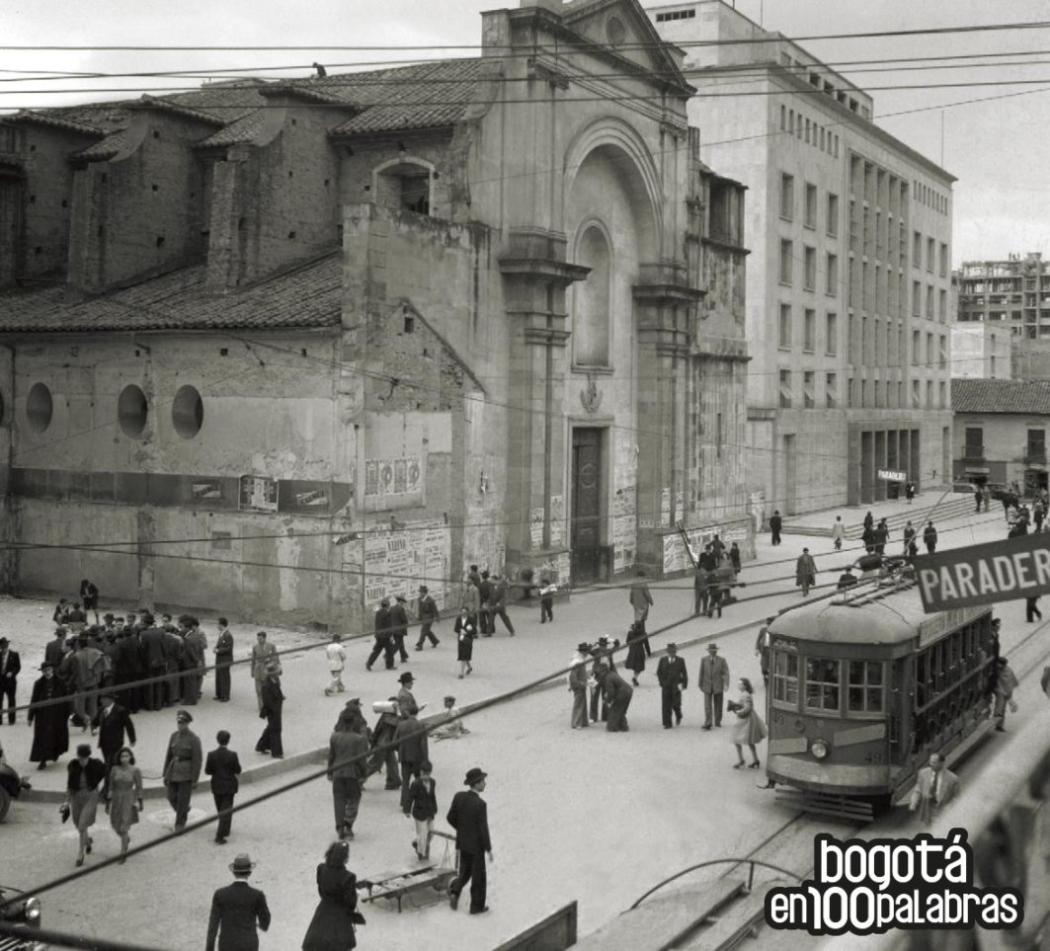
(588, 815)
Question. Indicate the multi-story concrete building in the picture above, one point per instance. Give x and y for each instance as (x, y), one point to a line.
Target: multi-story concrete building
(1013, 295)
(848, 279)
(981, 351)
(293, 347)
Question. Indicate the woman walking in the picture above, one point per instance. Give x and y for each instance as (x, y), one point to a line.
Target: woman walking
(465, 634)
(125, 797)
(635, 651)
(332, 926)
(749, 729)
(82, 783)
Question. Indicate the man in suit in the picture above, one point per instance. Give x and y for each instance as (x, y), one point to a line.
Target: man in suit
(673, 679)
(384, 639)
(56, 649)
(347, 769)
(713, 682)
(182, 767)
(428, 614)
(485, 592)
(10, 665)
(399, 626)
(468, 815)
(412, 749)
(272, 708)
(223, 659)
(236, 910)
(223, 766)
(262, 653)
(112, 722)
(934, 786)
(405, 698)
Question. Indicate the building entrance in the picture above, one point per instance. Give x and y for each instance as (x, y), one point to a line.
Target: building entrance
(586, 510)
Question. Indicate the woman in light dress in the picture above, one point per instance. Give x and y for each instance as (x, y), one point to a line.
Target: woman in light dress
(749, 729)
(125, 797)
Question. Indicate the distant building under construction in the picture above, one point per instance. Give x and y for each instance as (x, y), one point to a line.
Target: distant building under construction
(1015, 294)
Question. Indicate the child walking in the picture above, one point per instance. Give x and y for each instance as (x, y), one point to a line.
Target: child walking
(547, 592)
(423, 807)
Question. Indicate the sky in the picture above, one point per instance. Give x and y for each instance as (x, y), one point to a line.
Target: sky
(994, 148)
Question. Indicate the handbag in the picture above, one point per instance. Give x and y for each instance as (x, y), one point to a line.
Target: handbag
(357, 918)
(64, 811)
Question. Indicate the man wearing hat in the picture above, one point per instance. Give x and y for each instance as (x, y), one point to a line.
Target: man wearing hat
(236, 911)
(112, 722)
(673, 679)
(10, 666)
(399, 627)
(263, 653)
(347, 768)
(714, 682)
(182, 767)
(468, 815)
(617, 693)
(428, 614)
(49, 716)
(412, 749)
(578, 686)
(272, 708)
(405, 699)
(384, 641)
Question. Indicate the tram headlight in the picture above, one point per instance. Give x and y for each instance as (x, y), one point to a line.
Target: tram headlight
(819, 749)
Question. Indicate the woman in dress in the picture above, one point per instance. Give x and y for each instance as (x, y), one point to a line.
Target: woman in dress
(49, 717)
(465, 634)
(125, 797)
(85, 774)
(635, 651)
(332, 926)
(749, 728)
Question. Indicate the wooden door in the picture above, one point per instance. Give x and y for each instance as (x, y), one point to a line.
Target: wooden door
(586, 505)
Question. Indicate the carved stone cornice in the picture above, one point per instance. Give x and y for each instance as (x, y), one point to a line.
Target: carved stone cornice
(667, 293)
(546, 336)
(545, 269)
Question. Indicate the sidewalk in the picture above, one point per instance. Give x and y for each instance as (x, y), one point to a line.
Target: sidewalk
(938, 505)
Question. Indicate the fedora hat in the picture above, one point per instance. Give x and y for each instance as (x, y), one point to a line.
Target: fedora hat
(713, 648)
(242, 864)
(406, 678)
(474, 775)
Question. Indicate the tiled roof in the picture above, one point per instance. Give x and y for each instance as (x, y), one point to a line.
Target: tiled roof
(244, 129)
(306, 296)
(423, 96)
(1001, 396)
(106, 148)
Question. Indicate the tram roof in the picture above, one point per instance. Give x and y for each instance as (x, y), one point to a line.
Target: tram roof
(871, 616)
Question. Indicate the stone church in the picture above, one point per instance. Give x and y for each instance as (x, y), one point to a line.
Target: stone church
(282, 349)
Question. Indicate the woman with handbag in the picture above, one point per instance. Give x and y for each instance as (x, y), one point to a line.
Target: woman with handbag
(749, 728)
(332, 926)
(84, 776)
(125, 797)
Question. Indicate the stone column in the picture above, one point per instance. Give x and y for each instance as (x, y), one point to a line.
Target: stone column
(535, 278)
(663, 300)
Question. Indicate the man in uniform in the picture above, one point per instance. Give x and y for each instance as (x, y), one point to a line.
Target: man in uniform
(673, 679)
(713, 682)
(182, 767)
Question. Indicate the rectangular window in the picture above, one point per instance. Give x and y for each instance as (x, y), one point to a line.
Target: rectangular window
(831, 334)
(787, 197)
(916, 348)
(916, 249)
(973, 446)
(929, 394)
(810, 220)
(916, 299)
(787, 253)
(831, 391)
(785, 679)
(929, 302)
(809, 383)
(942, 401)
(831, 276)
(809, 259)
(833, 215)
(916, 394)
(849, 392)
(929, 352)
(822, 684)
(784, 336)
(865, 692)
(942, 352)
(809, 331)
(930, 246)
(944, 260)
(785, 389)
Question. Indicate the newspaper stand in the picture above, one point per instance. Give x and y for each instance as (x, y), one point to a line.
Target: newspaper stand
(422, 886)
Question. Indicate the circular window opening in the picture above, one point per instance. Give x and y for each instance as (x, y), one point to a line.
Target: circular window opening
(132, 410)
(39, 407)
(187, 412)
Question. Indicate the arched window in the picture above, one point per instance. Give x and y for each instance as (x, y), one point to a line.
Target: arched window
(590, 318)
(404, 183)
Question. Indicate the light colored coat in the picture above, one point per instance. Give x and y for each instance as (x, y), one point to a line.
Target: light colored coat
(714, 674)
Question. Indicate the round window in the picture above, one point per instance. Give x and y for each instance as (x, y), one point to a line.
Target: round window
(39, 407)
(132, 410)
(187, 412)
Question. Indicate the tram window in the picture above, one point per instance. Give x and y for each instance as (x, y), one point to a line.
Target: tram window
(922, 679)
(865, 686)
(822, 684)
(785, 678)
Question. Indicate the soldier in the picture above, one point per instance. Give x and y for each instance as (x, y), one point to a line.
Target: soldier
(182, 767)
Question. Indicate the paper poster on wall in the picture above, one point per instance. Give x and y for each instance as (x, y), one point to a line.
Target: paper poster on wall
(557, 520)
(206, 490)
(536, 527)
(258, 494)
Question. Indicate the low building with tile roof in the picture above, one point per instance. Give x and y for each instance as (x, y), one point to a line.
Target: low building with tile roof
(351, 333)
(1000, 432)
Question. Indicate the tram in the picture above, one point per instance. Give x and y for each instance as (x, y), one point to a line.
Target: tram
(864, 687)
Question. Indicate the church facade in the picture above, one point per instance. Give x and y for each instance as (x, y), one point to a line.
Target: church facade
(284, 349)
